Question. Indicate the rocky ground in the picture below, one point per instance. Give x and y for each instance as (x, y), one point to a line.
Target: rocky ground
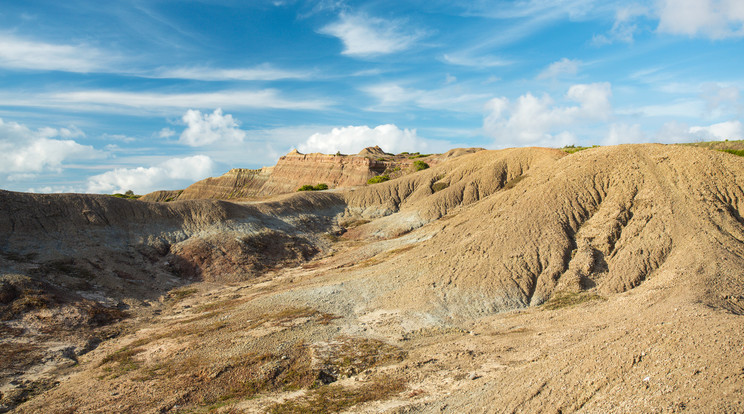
(521, 280)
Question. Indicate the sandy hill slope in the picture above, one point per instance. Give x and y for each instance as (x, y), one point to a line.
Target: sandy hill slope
(603, 219)
(520, 280)
(295, 169)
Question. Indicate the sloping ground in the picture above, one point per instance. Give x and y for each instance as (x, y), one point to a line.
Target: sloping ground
(609, 280)
(73, 265)
(294, 170)
(603, 219)
(430, 194)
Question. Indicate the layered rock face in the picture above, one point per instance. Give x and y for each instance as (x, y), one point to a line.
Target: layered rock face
(295, 169)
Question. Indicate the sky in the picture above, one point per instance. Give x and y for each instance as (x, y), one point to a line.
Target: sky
(105, 97)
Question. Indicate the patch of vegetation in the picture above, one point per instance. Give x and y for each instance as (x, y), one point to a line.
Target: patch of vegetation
(331, 237)
(99, 315)
(567, 299)
(18, 356)
(177, 295)
(67, 267)
(355, 223)
(7, 330)
(514, 181)
(26, 392)
(415, 155)
(122, 361)
(378, 179)
(334, 398)
(420, 165)
(739, 153)
(570, 149)
(178, 194)
(30, 299)
(439, 186)
(308, 187)
(129, 194)
(21, 258)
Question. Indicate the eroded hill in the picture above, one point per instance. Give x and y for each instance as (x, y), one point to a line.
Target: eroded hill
(521, 280)
(294, 170)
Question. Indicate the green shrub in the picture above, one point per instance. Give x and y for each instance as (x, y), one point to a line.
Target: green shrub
(570, 149)
(734, 152)
(378, 179)
(439, 186)
(308, 187)
(127, 196)
(420, 165)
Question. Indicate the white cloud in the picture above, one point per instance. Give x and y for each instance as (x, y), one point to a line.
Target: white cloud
(677, 109)
(624, 134)
(264, 72)
(166, 133)
(364, 35)
(479, 61)
(205, 129)
(149, 102)
(170, 174)
(625, 26)
(453, 97)
(539, 121)
(563, 67)
(715, 19)
(352, 139)
(732, 130)
(18, 53)
(23, 151)
(721, 100)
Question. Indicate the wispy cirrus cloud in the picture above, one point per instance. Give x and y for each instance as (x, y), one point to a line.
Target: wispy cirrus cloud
(25, 54)
(263, 72)
(486, 61)
(111, 101)
(394, 96)
(364, 35)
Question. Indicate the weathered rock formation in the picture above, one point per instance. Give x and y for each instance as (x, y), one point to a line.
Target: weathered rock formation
(294, 170)
(621, 266)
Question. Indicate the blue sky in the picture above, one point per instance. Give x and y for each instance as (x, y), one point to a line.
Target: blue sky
(144, 95)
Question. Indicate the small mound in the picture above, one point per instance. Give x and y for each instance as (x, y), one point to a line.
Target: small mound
(375, 151)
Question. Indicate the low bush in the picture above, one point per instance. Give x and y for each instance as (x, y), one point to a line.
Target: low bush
(378, 179)
(420, 165)
(740, 153)
(308, 187)
(570, 149)
(439, 186)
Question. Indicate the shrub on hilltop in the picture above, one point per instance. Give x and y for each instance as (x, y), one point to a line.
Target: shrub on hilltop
(308, 187)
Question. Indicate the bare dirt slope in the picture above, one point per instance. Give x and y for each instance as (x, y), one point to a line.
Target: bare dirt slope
(602, 220)
(520, 280)
(295, 169)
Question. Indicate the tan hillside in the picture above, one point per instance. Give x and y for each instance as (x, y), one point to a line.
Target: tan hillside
(294, 170)
(519, 280)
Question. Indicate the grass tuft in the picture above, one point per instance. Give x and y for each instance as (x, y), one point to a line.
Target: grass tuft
(334, 398)
(567, 299)
(378, 179)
